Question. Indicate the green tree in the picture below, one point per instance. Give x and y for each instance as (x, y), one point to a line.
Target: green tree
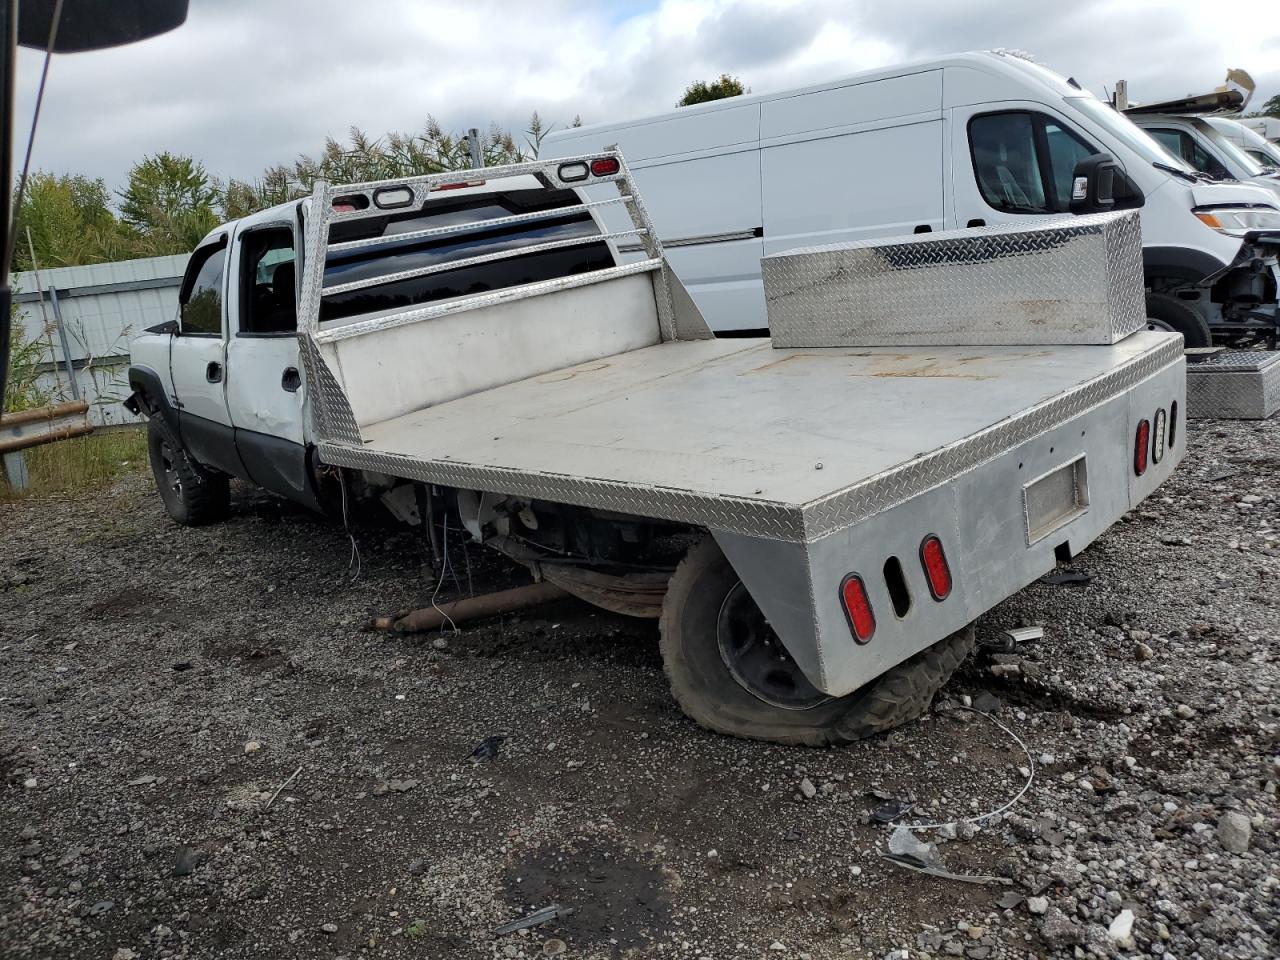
(703, 92)
(391, 157)
(70, 222)
(1271, 108)
(171, 201)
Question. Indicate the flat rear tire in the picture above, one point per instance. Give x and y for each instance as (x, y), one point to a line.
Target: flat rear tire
(730, 676)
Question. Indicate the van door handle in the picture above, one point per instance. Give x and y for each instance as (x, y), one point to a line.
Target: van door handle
(291, 380)
(976, 222)
(213, 372)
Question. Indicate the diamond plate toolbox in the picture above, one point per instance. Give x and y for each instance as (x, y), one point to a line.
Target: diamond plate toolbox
(1068, 281)
(1234, 385)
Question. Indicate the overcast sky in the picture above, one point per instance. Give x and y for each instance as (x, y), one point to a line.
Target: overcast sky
(247, 83)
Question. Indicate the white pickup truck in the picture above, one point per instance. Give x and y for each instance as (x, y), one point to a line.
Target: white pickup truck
(817, 518)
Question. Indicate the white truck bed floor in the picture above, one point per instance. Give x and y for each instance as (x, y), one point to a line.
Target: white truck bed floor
(731, 432)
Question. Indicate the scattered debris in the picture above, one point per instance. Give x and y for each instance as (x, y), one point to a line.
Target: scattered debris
(253, 746)
(888, 812)
(292, 777)
(487, 749)
(553, 948)
(1030, 771)
(908, 863)
(1068, 578)
(181, 665)
(904, 843)
(1038, 905)
(807, 789)
(537, 918)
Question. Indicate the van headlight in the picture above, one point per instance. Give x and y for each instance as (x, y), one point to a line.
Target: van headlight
(1237, 221)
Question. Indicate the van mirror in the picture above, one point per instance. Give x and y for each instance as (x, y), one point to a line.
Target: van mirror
(1093, 184)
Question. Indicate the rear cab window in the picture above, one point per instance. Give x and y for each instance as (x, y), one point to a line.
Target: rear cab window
(564, 220)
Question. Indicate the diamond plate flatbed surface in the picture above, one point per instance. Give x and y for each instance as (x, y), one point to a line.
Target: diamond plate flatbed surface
(730, 433)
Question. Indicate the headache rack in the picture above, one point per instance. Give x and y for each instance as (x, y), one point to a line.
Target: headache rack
(340, 204)
(351, 388)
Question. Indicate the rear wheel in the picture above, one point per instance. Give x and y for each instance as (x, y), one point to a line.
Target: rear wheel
(192, 495)
(731, 674)
(1169, 313)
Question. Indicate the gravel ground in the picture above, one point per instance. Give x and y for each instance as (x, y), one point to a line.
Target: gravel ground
(204, 754)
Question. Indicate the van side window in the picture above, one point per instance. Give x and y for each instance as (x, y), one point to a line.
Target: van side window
(1007, 163)
(1065, 151)
(200, 304)
(1024, 161)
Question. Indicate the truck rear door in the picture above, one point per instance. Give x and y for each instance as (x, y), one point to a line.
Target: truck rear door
(265, 390)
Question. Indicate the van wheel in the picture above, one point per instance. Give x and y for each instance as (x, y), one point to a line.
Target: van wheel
(730, 674)
(1169, 313)
(192, 495)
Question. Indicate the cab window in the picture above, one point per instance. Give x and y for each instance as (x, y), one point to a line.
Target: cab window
(1024, 162)
(200, 303)
(268, 302)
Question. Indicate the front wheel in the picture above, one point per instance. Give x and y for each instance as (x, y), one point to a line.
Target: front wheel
(729, 672)
(192, 495)
(1169, 313)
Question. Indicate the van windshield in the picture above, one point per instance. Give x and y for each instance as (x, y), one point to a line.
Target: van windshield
(1246, 164)
(1125, 130)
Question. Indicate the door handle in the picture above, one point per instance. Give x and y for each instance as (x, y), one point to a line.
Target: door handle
(213, 372)
(291, 380)
(976, 222)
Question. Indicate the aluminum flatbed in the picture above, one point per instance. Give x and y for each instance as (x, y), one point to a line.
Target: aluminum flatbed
(739, 436)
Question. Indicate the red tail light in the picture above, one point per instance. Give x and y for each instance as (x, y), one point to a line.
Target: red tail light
(605, 167)
(1141, 444)
(936, 569)
(857, 608)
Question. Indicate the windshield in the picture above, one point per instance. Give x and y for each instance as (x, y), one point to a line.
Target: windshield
(1127, 132)
(1245, 163)
(1250, 141)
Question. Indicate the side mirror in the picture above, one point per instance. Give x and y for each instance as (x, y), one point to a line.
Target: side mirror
(1093, 184)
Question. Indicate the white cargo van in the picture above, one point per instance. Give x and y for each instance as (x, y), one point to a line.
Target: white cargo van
(975, 138)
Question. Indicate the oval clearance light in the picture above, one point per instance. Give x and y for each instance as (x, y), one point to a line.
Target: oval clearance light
(1157, 441)
(936, 569)
(1141, 444)
(605, 167)
(857, 608)
(389, 198)
(573, 172)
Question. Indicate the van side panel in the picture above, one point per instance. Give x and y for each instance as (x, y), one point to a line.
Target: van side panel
(699, 175)
(853, 163)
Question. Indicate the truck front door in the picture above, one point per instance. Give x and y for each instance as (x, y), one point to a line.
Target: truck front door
(198, 360)
(265, 389)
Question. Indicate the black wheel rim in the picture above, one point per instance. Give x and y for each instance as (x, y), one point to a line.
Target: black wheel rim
(172, 479)
(756, 658)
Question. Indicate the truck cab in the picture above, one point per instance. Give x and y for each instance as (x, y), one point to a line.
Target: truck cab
(225, 376)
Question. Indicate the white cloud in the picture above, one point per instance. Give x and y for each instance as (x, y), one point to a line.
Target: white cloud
(245, 84)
